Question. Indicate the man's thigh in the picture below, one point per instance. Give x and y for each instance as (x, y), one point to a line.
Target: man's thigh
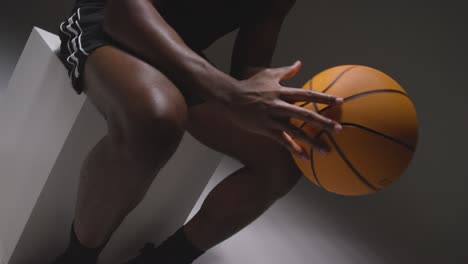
(125, 89)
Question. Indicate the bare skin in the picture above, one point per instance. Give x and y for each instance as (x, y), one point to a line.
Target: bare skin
(146, 114)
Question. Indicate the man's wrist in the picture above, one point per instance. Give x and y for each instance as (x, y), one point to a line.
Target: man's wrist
(227, 90)
(208, 81)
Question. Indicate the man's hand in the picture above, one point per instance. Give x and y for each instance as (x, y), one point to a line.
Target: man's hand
(261, 105)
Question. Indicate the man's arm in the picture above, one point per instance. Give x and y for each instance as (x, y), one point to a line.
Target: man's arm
(256, 103)
(138, 26)
(256, 40)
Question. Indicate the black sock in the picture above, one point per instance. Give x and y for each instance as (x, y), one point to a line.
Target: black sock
(76, 252)
(177, 249)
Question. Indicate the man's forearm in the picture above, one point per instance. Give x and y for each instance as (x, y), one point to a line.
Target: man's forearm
(137, 25)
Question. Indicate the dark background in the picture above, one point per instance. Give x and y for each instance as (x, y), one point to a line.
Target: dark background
(419, 219)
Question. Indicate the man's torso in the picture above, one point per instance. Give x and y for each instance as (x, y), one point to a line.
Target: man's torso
(202, 22)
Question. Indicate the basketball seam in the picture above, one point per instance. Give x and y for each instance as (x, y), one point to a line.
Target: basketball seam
(312, 165)
(329, 86)
(337, 78)
(378, 133)
(357, 96)
(350, 165)
(365, 93)
(310, 88)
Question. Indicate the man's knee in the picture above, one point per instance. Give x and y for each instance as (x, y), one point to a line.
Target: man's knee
(154, 131)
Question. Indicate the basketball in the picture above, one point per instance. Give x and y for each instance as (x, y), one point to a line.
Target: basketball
(379, 135)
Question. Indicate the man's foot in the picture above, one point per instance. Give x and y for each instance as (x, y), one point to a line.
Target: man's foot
(60, 260)
(145, 256)
(176, 249)
(76, 253)
(66, 259)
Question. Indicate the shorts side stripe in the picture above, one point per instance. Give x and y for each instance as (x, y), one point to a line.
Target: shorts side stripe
(75, 41)
(81, 33)
(68, 41)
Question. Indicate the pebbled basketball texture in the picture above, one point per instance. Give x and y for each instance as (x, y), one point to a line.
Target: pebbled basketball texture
(379, 135)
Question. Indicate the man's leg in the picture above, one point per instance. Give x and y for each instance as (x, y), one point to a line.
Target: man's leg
(146, 118)
(269, 173)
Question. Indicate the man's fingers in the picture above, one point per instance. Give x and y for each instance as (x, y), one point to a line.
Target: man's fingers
(286, 141)
(290, 110)
(304, 95)
(298, 133)
(287, 72)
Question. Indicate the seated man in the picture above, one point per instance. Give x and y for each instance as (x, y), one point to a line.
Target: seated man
(140, 62)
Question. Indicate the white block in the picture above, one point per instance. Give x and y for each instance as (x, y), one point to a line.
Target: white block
(46, 131)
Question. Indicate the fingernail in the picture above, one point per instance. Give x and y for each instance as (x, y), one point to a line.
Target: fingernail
(338, 128)
(323, 151)
(339, 100)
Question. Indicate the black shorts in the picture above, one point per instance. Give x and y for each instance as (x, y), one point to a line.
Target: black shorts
(81, 33)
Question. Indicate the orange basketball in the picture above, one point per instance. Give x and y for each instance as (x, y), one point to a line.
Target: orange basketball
(379, 133)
